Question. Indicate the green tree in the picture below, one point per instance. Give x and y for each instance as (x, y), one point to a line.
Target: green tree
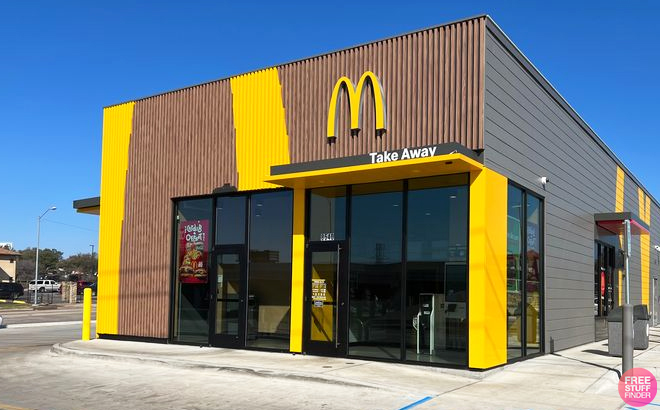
(49, 260)
(83, 264)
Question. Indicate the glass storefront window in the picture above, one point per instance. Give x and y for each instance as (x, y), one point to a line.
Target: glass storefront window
(533, 275)
(269, 277)
(230, 220)
(375, 270)
(524, 273)
(191, 274)
(436, 271)
(514, 271)
(327, 220)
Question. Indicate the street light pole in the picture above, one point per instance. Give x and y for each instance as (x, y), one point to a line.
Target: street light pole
(627, 342)
(92, 250)
(36, 265)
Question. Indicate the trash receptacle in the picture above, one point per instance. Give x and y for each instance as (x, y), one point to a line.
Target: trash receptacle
(641, 327)
(615, 331)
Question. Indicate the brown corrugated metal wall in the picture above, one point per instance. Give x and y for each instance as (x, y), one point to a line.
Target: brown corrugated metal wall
(181, 145)
(433, 86)
(183, 142)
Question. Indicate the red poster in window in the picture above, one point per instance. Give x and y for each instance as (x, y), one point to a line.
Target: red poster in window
(193, 254)
(602, 283)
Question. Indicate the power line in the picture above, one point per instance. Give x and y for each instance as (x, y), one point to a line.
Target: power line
(72, 226)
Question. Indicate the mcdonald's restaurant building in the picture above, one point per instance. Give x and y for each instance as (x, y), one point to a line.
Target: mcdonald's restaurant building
(428, 198)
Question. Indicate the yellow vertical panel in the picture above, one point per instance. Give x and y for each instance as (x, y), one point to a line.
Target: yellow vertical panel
(645, 245)
(297, 270)
(487, 282)
(620, 180)
(117, 127)
(618, 205)
(259, 120)
(648, 250)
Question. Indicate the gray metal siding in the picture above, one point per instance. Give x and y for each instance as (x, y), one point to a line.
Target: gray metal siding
(528, 135)
(631, 203)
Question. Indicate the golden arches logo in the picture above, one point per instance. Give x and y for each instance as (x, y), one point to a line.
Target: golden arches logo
(355, 95)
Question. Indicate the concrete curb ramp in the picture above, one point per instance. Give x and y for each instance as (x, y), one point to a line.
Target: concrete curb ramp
(62, 350)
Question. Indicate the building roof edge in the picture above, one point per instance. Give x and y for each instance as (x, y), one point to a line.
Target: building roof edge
(526, 63)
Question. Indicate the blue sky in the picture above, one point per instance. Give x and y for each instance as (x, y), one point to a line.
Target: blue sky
(62, 62)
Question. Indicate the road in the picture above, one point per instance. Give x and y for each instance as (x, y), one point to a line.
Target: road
(64, 314)
(577, 378)
(70, 382)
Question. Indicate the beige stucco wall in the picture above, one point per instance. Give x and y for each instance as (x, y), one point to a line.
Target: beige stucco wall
(8, 266)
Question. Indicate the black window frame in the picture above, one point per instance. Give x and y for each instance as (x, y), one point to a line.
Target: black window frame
(404, 273)
(523, 349)
(211, 252)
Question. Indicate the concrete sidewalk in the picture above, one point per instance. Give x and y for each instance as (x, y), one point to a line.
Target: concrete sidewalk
(584, 377)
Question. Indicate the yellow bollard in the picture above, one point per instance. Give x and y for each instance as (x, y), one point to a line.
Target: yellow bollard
(87, 313)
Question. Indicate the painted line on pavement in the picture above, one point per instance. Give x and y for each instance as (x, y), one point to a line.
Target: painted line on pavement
(4, 406)
(20, 302)
(43, 324)
(417, 403)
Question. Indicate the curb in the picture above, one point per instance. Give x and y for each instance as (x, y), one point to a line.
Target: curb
(18, 302)
(60, 350)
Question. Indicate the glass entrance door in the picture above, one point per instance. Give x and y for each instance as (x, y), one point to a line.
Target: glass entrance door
(325, 299)
(605, 287)
(228, 296)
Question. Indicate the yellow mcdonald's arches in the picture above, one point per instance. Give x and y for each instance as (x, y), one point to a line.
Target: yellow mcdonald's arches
(259, 120)
(117, 127)
(355, 95)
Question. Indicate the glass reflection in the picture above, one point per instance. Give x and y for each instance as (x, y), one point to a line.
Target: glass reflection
(191, 296)
(533, 278)
(436, 264)
(327, 214)
(375, 270)
(514, 272)
(228, 294)
(323, 306)
(269, 277)
(230, 220)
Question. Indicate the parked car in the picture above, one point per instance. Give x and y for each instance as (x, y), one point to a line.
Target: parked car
(45, 285)
(82, 285)
(11, 290)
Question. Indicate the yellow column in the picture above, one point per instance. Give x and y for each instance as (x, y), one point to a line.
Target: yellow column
(487, 270)
(117, 127)
(297, 270)
(645, 245)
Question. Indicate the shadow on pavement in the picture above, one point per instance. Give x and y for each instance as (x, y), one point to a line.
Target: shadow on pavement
(618, 373)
